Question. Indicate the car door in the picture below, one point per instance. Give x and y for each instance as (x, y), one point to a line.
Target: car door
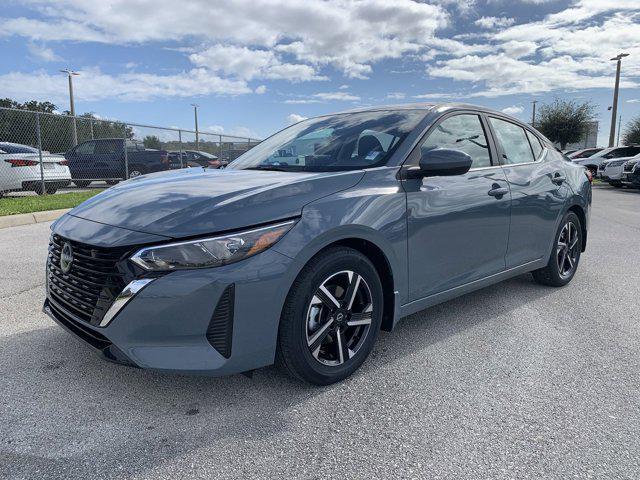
(538, 190)
(108, 159)
(458, 226)
(81, 159)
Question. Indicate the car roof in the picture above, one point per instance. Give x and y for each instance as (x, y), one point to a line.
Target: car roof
(443, 106)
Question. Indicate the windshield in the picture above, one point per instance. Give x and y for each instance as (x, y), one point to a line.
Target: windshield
(338, 142)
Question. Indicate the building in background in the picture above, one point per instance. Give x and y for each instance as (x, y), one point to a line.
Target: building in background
(590, 139)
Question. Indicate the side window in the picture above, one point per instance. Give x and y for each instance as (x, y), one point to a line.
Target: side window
(86, 148)
(513, 139)
(108, 147)
(536, 146)
(461, 132)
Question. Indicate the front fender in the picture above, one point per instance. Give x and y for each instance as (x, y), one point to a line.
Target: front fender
(374, 210)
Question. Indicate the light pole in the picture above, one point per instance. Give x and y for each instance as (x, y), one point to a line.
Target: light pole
(72, 108)
(195, 115)
(619, 128)
(533, 115)
(614, 108)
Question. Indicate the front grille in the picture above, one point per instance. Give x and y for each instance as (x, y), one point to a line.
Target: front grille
(628, 167)
(88, 289)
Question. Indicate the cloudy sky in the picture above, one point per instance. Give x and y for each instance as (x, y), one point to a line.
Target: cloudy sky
(254, 66)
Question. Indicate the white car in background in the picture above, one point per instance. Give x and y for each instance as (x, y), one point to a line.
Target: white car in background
(20, 170)
(611, 170)
(593, 162)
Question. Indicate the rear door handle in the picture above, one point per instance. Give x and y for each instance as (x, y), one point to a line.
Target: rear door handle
(498, 191)
(558, 178)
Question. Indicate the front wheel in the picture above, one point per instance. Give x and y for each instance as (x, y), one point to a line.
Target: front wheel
(331, 317)
(82, 183)
(565, 255)
(136, 172)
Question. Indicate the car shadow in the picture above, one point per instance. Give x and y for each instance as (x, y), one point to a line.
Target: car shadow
(70, 409)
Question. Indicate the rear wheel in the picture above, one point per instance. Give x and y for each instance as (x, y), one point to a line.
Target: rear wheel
(565, 256)
(331, 317)
(616, 184)
(82, 183)
(112, 182)
(51, 189)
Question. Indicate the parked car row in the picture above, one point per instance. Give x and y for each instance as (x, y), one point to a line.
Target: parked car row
(105, 159)
(617, 166)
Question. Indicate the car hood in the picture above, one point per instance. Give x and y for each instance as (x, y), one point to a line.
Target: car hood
(197, 201)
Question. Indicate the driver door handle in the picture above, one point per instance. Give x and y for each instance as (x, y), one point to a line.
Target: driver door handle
(498, 191)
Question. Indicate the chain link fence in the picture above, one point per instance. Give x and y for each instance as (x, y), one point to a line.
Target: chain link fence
(43, 153)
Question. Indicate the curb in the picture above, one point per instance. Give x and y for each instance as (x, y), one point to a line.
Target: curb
(30, 218)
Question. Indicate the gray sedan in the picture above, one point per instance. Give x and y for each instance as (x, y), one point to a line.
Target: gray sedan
(303, 248)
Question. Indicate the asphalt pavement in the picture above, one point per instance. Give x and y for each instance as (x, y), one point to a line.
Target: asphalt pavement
(513, 381)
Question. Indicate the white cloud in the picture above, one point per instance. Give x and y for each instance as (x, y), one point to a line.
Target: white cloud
(42, 53)
(93, 85)
(350, 35)
(295, 118)
(261, 89)
(246, 64)
(301, 101)
(435, 96)
(574, 46)
(396, 95)
(233, 132)
(513, 110)
(494, 22)
(634, 100)
(339, 96)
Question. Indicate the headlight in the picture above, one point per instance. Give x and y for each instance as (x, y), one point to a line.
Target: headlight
(212, 251)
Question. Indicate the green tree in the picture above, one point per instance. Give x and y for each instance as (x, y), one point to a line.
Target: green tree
(151, 141)
(565, 121)
(632, 132)
(19, 126)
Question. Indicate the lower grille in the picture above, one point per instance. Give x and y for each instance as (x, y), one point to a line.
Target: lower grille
(75, 325)
(89, 287)
(220, 331)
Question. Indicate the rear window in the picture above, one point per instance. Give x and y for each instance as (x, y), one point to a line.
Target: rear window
(514, 142)
(7, 148)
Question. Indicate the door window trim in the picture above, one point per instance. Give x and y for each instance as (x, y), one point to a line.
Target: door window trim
(413, 157)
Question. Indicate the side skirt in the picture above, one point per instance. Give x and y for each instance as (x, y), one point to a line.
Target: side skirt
(426, 302)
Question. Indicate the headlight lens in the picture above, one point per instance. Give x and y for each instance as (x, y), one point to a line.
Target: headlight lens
(210, 252)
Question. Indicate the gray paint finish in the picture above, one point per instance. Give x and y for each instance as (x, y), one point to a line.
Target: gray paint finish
(440, 236)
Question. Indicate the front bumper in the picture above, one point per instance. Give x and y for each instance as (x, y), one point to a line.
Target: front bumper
(164, 326)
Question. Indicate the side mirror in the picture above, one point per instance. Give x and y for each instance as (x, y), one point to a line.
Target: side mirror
(444, 162)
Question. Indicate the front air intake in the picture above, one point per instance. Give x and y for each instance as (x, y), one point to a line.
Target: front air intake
(220, 329)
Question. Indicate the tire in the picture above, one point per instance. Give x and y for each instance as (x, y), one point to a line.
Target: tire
(82, 183)
(616, 184)
(112, 182)
(552, 275)
(51, 189)
(303, 309)
(136, 172)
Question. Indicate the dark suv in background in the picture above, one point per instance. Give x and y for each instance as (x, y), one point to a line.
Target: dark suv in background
(104, 159)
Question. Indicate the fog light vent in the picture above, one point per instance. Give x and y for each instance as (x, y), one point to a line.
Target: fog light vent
(220, 329)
